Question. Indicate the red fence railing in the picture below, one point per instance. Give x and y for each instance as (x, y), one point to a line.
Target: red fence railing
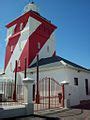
(49, 91)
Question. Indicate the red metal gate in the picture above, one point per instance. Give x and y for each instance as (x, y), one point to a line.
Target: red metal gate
(50, 94)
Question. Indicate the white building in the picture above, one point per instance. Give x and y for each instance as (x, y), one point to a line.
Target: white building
(61, 70)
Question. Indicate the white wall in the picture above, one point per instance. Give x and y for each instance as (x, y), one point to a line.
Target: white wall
(58, 74)
(71, 95)
(73, 92)
(72, 73)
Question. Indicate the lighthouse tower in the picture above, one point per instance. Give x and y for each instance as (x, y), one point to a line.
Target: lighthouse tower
(28, 35)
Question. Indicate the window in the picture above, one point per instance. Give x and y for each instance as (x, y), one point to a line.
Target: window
(19, 63)
(21, 26)
(86, 86)
(11, 66)
(20, 46)
(38, 45)
(12, 48)
(47, 48)
(75, 81)
(10, 31)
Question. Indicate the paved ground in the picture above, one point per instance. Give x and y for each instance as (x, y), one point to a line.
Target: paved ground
(80, 112)
(73, 114)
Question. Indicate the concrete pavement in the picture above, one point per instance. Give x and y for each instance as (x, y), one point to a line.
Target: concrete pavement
(79, 112)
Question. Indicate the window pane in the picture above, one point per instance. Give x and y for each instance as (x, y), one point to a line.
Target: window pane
(75, 81)
(86, 85)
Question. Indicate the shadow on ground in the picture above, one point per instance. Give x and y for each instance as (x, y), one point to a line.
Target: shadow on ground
(85, 105)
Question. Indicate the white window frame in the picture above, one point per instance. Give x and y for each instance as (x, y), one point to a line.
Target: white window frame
(19, 63)
(21, 26)
(12, 48)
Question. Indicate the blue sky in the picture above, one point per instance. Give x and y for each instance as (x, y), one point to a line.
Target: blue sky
(72, 18)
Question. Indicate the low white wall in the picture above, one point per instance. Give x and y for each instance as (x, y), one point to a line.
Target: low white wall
(16, 111)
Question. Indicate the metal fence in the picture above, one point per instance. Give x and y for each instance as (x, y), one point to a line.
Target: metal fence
(7, 91)
(49, 91)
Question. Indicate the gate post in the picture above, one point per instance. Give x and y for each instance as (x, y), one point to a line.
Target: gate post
(28, 94)
(64, 96)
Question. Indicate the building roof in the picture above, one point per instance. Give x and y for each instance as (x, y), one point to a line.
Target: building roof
(29, 13)
(53, 59)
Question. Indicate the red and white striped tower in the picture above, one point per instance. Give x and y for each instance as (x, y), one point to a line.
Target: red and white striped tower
(24, 34)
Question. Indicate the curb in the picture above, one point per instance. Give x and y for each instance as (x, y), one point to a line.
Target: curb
(52, 111)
